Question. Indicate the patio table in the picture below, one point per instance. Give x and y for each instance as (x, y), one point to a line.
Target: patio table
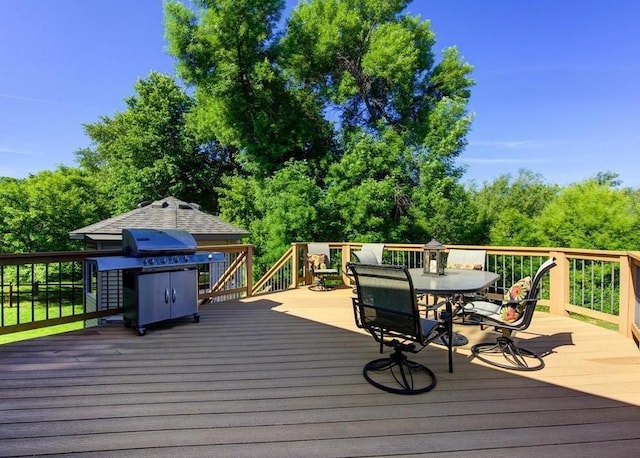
(453, 282)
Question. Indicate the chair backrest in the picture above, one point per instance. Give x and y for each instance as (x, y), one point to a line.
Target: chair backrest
(320, 248)
(366, 257)
(376, 249)
(532, 296)
(386, 300)
(466, 259)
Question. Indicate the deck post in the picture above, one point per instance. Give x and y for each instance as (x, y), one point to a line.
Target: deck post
(346, 257)
(249, 270)
(627, 296)
(559, 284)
(295, 275)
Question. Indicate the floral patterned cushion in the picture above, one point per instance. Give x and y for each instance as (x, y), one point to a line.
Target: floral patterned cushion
(512, 306)
(465, 266)
(317, 261)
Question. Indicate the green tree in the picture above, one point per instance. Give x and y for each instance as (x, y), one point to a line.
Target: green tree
(280, 208)
(403, 116)
(352, 90)
(228, 50)
(592, 215)
(372, 64)
(37, 213)
(148, 152)
(507, 207)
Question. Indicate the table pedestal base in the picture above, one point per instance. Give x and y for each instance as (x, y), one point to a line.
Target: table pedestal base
(458, 340)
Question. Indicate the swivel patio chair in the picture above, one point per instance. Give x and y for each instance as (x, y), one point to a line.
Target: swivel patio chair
(376, 249)
(366, 257)
(512, 314)
(386, 307)
(319, 265)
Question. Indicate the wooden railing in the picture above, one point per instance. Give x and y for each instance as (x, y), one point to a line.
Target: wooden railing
(46, 289)
(235, 273)
(41, 290)
(598, 284)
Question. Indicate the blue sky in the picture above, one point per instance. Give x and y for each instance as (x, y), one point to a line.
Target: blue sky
(558, 81)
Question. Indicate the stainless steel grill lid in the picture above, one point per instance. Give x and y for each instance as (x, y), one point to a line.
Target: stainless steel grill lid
(157, 242)
(154, 249)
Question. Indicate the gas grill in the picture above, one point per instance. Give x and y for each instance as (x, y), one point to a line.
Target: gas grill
(159, 275)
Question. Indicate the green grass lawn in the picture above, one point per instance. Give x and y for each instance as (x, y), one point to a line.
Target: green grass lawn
(39, 312)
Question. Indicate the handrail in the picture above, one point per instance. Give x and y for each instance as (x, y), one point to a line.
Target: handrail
(582, 278)
(286, 257)
(231, 270)
(573, 263)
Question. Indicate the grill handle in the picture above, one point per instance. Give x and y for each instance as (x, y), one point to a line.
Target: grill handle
(173, 295)
(166, 295)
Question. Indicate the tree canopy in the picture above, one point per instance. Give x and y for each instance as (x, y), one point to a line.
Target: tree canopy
(350, 89)
(591, 214)
(37, 213)
(339, 123)
(148, 151)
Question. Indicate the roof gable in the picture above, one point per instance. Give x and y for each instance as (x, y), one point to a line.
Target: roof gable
(167, 213)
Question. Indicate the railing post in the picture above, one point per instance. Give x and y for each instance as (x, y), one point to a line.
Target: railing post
(627, 296)
(249, 270)
(295, 276)
(346, 257)
(559, 284)
(634, 319)
(307, 275)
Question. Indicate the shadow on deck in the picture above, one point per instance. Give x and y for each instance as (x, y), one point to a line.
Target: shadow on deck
(280, 375)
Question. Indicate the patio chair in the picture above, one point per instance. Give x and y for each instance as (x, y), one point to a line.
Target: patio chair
(319, 265)
(512, 314)
(460, 259)
(375, 248)
(366, 257)
(386, 307)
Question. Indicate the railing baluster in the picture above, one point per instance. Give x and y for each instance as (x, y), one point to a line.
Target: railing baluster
(613, 282)
(510, 263)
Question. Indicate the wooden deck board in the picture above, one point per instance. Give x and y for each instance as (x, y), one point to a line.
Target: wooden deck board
(280, 375)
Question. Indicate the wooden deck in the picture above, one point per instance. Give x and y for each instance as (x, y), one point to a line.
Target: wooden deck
(280, 376)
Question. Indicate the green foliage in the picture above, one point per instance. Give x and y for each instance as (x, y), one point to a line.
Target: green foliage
(372, 65)
(244, 99)
(369, 189)
(148, 152)
(590, 215)
(342, 126)
(595, 285)
(38, 213)
(351, 93)
(527, 212)
(277, 210)
(507, 207)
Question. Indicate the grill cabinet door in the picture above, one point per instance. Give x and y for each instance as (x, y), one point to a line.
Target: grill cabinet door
(154, 297)
(184, 293)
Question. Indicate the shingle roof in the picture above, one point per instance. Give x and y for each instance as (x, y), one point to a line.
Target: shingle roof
(167, 213)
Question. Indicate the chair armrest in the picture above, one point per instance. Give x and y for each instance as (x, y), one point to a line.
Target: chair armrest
(356, 312)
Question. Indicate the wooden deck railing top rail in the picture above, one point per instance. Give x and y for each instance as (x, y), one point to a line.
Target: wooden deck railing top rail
(598, 284)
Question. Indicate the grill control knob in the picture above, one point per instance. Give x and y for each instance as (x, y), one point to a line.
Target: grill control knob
(150, 261)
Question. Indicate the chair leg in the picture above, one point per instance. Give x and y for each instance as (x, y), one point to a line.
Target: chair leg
(517, 358)
(320, 284)
(397, 374)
